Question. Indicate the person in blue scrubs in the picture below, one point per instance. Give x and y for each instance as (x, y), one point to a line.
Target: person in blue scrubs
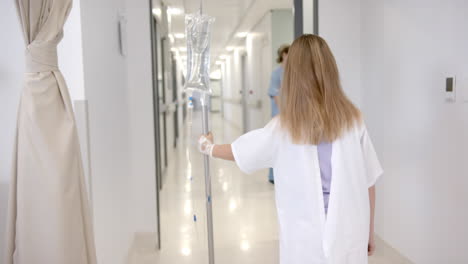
(274, 89)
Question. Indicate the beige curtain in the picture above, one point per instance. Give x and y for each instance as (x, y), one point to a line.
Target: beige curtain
(49, 220)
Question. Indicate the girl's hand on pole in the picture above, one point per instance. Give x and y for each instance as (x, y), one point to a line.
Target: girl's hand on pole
(205, 144)
(210, 137)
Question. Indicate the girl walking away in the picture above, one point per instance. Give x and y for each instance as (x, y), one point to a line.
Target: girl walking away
(324, 162)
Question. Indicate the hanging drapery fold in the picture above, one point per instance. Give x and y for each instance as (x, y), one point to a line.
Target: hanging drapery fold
(48, 215)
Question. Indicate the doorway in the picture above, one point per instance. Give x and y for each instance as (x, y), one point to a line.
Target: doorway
(159, 115)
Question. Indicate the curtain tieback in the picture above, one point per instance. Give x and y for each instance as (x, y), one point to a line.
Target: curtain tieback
(41, 57)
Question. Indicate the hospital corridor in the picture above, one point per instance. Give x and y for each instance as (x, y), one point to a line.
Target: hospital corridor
(233, 132)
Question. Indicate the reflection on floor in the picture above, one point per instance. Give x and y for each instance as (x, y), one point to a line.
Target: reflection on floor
(245, 224)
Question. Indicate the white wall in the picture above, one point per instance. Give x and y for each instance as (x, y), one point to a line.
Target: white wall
(11, 73)
(231, 89)
(258, 46)
(70, 53)
(409, 47)
(282, 32)
(11, 77)
(139, 78)
(393, 59)
(340, 26)
(119, 93)
(282, 25)
(106, 91)
(374, 99)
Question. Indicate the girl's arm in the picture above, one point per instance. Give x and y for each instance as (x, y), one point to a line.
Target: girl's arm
(206, 146)
(223, 152)
(371, 247)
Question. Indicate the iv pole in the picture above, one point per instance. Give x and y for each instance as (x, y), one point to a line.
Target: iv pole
(199, 28)
(204, 98)
(209, 208)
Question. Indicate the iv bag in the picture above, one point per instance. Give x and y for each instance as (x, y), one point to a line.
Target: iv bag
(197, 27)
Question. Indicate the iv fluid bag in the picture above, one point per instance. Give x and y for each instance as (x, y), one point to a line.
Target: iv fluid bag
(197, 27)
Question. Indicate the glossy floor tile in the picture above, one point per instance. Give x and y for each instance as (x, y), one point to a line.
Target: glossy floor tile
(245, 225)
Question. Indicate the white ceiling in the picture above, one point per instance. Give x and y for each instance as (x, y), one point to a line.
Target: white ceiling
(232, 16)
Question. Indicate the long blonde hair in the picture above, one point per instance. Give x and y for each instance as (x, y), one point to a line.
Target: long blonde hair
(313, 106)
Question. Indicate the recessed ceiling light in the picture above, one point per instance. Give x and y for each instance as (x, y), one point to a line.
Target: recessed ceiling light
(245, 245)
(175, 11)
(232, 205)
(179, 35)
(215, 74)
(157, 11)
(186, 251)
(242, 34)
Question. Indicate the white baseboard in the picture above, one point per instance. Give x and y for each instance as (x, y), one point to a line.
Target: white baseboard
(386, 254)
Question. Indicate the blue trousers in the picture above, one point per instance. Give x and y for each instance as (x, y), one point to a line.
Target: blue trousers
(270, 175)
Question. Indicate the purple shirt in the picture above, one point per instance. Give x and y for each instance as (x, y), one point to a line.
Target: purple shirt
(324, 156)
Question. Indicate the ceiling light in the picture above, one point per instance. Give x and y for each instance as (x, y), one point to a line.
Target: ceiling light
(188, 207)
(225, 185)
(230, 48)
(245, 245)
(232, 205)
(215, 75)
(188, 187)
(157, 11)
(179, 35)
(183, 49)
(175, 11)
(242, 34)
(189, 164)
(186, 251)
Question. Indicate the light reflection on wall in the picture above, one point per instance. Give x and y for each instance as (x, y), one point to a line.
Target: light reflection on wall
(186, 251)
(245, 245)
(188, 187)
(188, 207)
(232, 205)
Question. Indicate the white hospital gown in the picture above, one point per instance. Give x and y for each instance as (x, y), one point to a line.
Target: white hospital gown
(305, 235)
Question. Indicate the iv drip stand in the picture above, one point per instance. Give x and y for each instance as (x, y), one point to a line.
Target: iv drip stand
(209, 207)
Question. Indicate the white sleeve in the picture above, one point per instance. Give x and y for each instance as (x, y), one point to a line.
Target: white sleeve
(371, 161)
(256, 149)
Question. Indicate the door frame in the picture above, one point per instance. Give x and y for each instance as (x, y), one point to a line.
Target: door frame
(244, 93)
(156, 115)
(306, 24)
